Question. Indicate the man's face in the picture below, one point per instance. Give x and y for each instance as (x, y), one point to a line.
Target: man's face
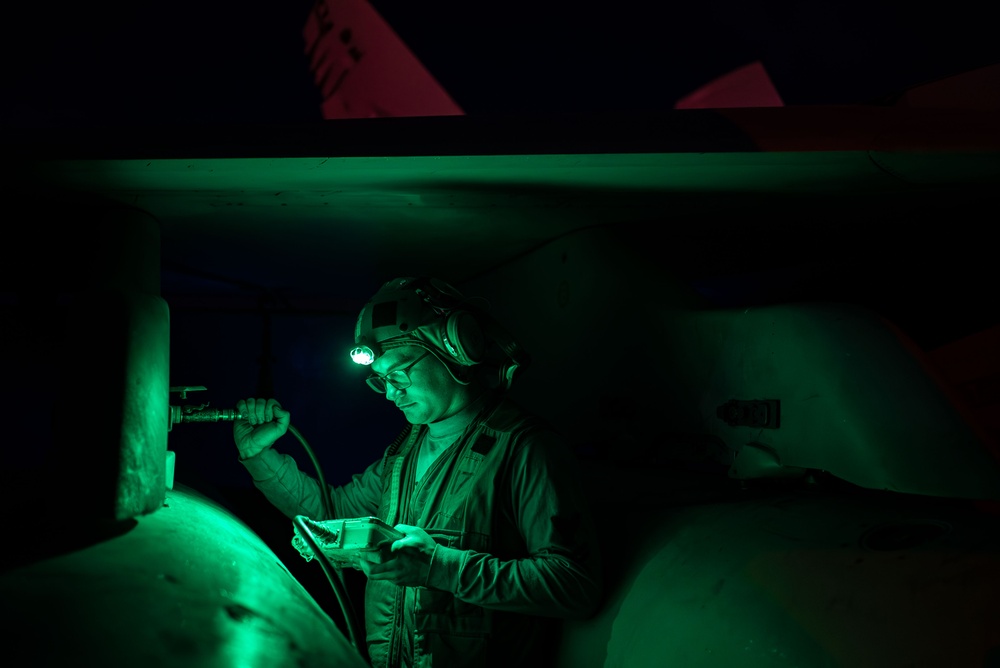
(432, 395)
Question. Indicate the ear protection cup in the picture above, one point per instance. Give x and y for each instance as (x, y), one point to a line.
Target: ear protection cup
(464, 338)
(461, 334)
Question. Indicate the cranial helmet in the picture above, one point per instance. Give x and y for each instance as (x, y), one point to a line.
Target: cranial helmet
(432, 314)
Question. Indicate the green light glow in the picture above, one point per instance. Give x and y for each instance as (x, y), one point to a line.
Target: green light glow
(363, 355)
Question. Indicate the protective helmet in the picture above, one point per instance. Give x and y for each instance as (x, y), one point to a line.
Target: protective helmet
(434, 315)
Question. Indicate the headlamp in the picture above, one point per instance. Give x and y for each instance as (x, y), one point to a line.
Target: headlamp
(363, 355)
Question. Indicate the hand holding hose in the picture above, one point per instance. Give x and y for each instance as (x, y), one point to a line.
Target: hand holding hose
(263, 422)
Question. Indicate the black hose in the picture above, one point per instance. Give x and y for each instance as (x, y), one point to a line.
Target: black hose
(323, 491)
(333, 575)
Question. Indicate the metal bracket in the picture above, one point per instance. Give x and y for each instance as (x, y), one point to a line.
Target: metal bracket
(184, 389)
(761, 413)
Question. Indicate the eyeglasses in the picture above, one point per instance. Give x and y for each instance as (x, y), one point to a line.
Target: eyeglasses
(398, 378)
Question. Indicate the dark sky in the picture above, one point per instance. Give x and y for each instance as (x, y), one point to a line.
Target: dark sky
(222, 61)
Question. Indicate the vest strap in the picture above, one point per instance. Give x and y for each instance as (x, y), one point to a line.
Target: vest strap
(392, 516)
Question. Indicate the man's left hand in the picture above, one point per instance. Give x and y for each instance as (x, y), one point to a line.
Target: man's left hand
(411, 560)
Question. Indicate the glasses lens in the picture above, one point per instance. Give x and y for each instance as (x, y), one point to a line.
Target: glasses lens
(398, 379)
(376, 383)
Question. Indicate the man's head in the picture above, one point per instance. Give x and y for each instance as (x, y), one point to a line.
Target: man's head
(432, 315)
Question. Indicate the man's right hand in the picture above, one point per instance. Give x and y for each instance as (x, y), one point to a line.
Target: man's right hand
(264, 421)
